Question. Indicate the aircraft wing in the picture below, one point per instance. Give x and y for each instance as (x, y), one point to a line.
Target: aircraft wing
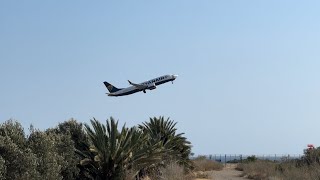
(139, 86)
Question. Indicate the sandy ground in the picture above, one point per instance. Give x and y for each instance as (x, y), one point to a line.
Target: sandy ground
(228, 173)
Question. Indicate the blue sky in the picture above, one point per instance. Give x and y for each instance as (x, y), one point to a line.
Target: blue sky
(248, 70)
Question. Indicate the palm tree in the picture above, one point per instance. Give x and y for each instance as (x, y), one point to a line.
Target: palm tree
(176, 146)
(110, 152)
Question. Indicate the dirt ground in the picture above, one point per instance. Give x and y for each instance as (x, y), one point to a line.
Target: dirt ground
(228, 173)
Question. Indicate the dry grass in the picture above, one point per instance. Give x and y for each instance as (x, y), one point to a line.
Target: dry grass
(203, 164)
(201, 175)
(290, 171)
(174, 172)
(279, 171)
(258, 169)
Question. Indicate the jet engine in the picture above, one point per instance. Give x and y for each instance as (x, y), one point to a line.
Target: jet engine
(152, 86)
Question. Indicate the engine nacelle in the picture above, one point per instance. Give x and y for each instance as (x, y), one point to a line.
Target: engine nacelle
(152, 86)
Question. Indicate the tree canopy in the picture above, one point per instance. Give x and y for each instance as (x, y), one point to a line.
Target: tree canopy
(73, 150)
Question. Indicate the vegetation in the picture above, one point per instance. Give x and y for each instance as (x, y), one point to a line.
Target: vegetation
(172, 171)
(308, 167)
(175, 147)
(42, 155)
(201, 163)
(97, 151)
(111, 152)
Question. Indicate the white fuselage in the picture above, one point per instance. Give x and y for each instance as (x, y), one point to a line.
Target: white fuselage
(147, 85)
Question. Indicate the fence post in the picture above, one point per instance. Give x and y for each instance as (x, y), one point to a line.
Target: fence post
(225, 160)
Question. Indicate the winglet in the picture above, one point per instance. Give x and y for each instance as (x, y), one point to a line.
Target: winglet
(130, 82)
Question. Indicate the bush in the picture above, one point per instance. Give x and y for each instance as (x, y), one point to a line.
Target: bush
(285, 170)
(311, 155)
(258, 169)
(171, 171)
(252, 158)
(201, 163)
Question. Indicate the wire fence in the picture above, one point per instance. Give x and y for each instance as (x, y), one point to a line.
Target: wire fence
(238, 158)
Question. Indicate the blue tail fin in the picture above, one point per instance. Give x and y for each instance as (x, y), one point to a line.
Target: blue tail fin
(110, 87)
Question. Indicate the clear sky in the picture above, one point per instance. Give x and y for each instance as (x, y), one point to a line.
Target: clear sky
(248, 70)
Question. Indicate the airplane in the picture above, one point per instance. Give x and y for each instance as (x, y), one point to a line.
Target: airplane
(147, 85)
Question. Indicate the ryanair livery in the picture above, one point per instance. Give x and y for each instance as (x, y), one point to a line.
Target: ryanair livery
(148, 85)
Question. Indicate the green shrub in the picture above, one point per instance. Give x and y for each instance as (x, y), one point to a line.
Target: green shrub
(311, 155)
(252, 158)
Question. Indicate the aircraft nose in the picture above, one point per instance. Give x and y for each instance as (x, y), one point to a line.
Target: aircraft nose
(174, 76)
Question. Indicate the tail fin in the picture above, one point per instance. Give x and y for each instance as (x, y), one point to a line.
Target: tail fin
(110, 87)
